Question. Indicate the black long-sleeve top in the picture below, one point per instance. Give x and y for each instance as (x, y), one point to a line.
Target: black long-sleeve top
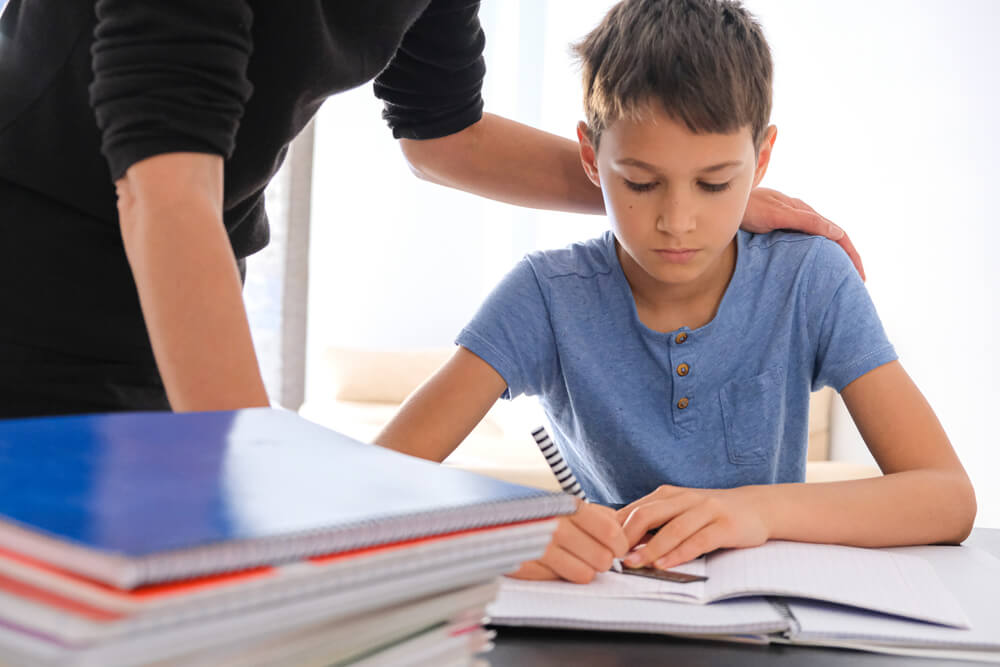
(89, 88)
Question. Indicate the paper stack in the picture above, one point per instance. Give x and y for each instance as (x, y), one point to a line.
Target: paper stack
(250, 537)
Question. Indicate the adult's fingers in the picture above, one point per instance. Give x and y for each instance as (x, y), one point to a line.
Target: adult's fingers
(833, 231)
(808, 221)
(825, 227)
(849, 248)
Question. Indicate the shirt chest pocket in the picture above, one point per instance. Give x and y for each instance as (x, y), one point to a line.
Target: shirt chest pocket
(753, 416)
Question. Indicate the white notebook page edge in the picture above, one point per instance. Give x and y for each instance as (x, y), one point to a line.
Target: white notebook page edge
(877, 579)
(540, 609)
(972, 574)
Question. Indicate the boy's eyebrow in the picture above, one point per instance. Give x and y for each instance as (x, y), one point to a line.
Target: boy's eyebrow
(649, 167)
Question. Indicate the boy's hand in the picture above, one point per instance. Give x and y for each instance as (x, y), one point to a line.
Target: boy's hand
(768, 210)
(583, 544)
(691, 522)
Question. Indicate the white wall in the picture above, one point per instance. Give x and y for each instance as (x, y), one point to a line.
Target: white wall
(887, 115)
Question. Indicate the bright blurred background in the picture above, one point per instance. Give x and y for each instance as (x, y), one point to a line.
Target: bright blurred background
(887, 116)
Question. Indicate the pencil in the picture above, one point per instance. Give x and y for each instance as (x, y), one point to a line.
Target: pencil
(567, 480)
(550, 450)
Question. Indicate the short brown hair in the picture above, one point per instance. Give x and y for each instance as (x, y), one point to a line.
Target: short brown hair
(705, 61)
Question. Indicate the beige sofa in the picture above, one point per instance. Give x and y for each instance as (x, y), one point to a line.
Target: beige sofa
(367, 386)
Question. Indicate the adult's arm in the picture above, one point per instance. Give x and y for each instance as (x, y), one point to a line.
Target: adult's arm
(509, 162)
(168, 93)
(517, 164)
(433, 102)
(170, 211)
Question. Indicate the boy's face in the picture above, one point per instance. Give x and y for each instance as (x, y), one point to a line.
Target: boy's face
(675, 199)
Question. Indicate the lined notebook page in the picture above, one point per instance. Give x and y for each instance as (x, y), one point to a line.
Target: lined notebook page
(876, 579)
(531, 604)
(972, 574)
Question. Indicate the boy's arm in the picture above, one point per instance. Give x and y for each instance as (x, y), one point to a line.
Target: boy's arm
(435, 419)
(924, 496)
(510, 162)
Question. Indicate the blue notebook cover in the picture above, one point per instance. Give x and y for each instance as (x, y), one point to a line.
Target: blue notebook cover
(133, 498)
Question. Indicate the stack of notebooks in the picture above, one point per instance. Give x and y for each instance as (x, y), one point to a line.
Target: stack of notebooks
(934, 601)
(250, 537)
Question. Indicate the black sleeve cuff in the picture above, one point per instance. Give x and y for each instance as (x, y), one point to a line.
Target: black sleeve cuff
(433, 86)
(169, 77)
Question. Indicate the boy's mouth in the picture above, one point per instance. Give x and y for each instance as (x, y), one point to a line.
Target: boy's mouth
(676, 255)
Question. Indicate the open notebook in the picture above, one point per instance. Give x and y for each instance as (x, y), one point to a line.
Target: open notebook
(902, 600)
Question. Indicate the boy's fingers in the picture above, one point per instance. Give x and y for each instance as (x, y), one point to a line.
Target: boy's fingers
(704, 541)
(567, 565)
(680, 529)
(535, 571)
(622, 514)
(653, 515)
(601, 524)
(577, 541)
(662, 492)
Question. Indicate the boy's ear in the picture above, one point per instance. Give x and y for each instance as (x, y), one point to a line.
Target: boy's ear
(588, 155)
(764, 154)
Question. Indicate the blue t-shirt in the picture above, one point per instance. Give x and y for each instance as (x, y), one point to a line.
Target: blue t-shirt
(563, 326)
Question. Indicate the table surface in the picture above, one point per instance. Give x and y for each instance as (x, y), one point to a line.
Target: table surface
(523, 646)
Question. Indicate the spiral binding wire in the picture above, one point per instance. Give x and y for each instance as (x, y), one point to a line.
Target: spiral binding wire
(169, 566)
(782, 608)
(550, 450)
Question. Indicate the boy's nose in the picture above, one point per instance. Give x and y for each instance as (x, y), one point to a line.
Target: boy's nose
(675, 218)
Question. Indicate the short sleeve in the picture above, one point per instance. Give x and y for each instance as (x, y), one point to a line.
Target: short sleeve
(512, 333)
(433, 85)
(848, 335)
(169, 77)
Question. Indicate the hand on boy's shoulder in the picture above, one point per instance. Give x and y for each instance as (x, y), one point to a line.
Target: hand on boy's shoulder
(768, 210)
(584, 544)
(689, 523)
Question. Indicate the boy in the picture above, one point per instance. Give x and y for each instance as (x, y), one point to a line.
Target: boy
(675, 355)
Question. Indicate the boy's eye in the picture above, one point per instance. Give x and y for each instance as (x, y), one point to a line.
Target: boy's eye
(640, 187)
(713, 187)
